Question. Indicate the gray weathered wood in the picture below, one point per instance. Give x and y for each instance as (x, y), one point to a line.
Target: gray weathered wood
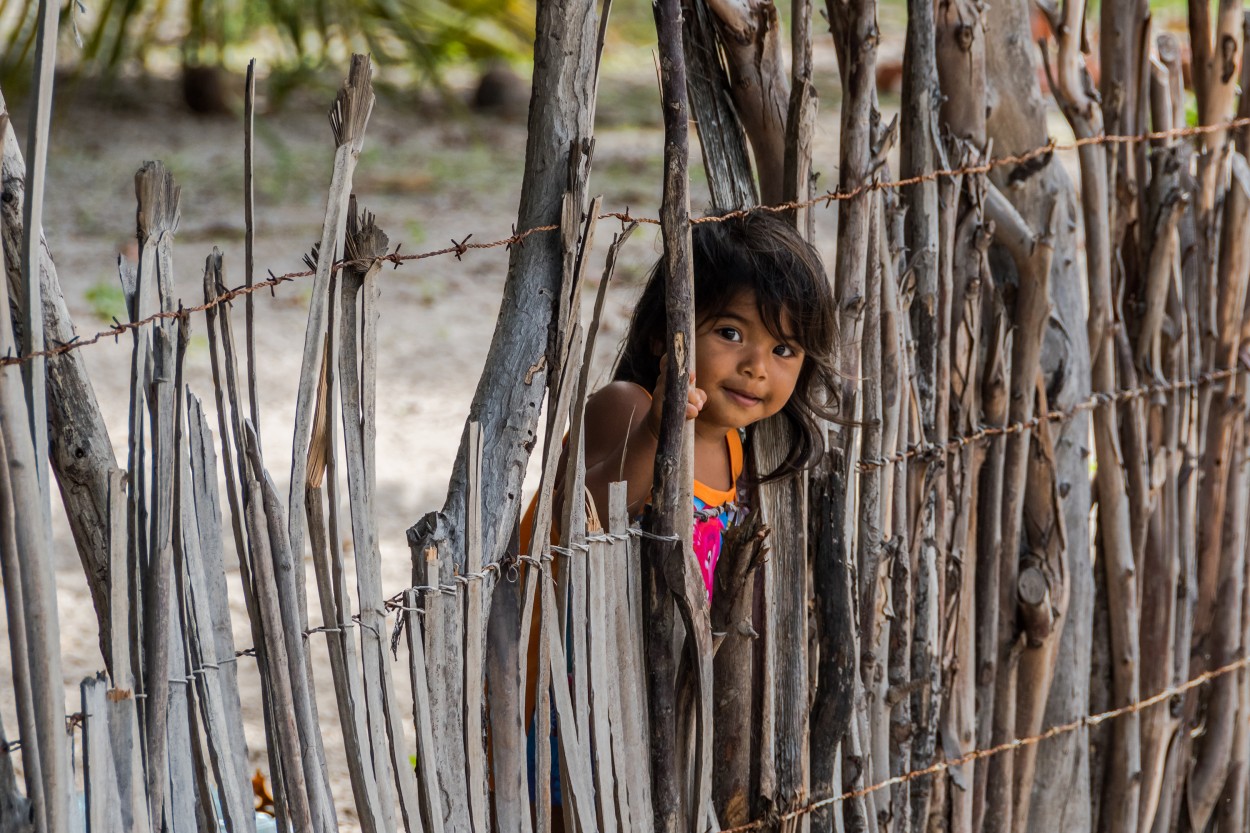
(616, 604)
(283, 712)
(628, 578)
(286, 577)
(429, 777)
(82, 454)
(348, 119)
(534, 613)
(209, 636)
(721, 136)
(675, 576)
(375, 813)
(474, 626)
(183, 798)
(151, 497)
(19, 650)
(566, 43)
(49, 787)
(364, 241)
(234, 465)
(577, 787)
(600, 684)
(14, 808)
(99, 778)
(442, 619)
(187, 794)
(249, 238)
(34, 374)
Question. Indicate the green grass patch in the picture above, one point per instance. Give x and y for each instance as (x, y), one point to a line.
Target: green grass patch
(106, 301)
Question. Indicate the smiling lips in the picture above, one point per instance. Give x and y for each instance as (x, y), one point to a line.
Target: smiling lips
(743, 400)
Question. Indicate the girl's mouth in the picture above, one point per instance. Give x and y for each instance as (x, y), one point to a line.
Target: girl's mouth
(743, 400)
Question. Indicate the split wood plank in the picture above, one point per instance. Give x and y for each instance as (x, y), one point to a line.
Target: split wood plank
(39, 588)
(474, 627)
(345, 370)
(630, 753)
(292, 619)
(104, 810)
(375, 800)
(344, 663)
(505, 704)
(348, 119)
(153, 368)
(15, 530)
(209, 637)
(428, 780)
(601, 685)
(295, 793)
(182, 796)
(188, 782)
(123, 717)
(357, 373)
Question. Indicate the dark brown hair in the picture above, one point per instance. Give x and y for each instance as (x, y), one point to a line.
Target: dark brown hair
(757, 252)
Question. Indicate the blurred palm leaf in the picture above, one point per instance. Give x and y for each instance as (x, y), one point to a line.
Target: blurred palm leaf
(426, 35)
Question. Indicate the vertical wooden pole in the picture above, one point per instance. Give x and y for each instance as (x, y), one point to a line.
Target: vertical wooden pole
(674, 575)
(39, 594)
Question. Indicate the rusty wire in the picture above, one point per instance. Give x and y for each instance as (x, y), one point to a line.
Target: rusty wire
(942, 449)
(989, 752)
(461, 247)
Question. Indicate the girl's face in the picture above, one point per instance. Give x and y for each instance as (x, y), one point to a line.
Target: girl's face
(746, 371)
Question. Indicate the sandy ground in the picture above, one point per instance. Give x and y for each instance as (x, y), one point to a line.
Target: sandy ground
(428, 179)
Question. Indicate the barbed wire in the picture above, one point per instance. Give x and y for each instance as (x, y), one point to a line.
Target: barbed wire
(935, 450)
(989, 752)
(461, 247)
(72, 722)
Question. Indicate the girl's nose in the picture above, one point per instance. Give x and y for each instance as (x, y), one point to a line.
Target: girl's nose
(752, 364)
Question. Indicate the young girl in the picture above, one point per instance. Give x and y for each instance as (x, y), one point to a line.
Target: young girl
(764, 335)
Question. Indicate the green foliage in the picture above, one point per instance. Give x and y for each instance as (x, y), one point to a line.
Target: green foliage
(422, 35)
(107, 300)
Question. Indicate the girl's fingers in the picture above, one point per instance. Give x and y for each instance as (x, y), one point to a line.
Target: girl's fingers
(696, 399)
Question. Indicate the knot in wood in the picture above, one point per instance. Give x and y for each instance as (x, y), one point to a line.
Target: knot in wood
(1228, 52)
(1032, 586)
(964, 36)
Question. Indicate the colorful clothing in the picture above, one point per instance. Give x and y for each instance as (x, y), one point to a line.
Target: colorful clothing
(714, 511)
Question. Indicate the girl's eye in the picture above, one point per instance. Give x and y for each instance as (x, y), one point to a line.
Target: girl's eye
(784, 350)
(729, 333)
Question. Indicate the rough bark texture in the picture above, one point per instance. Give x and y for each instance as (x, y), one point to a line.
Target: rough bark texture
(1015, 123)
(750, 32)
(561, 115)
(81, 452)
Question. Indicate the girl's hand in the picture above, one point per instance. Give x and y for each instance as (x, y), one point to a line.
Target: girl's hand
(696, 398)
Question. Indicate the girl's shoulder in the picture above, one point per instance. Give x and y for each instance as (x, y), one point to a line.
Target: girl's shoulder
(620, 392)
(621, 403)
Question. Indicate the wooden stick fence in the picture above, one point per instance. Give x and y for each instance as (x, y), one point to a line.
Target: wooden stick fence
(760, 712)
